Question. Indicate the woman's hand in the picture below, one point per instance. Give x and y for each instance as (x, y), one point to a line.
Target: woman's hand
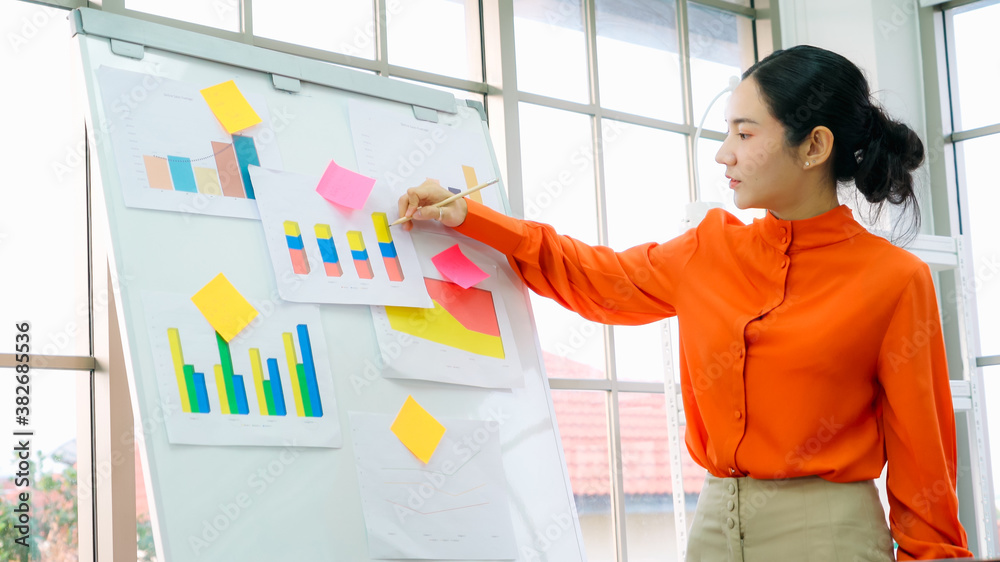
(417, 202)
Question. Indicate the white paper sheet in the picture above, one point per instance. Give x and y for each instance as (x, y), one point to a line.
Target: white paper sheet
(400, 151)
(284, 196)
(200, 349)
(418, 347)
(151, 118)
(453, 508)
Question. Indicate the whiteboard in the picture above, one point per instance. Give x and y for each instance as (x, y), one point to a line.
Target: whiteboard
(285, 502)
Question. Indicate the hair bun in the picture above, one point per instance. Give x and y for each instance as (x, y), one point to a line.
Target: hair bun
(893, 151)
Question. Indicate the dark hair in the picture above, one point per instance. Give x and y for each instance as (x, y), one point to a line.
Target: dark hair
(805, 87)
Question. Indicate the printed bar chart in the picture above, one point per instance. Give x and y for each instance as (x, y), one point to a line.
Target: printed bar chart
(191, 385)
(207, 180)
(296, 249)
(232, 384)
(157, 173)
(356, 241)
(276, 392)
(246, 155)
(232, 387)
(386, 247)
(331, 261)
(230, 178)
(470, 181)
(182, 174)
(229, 170)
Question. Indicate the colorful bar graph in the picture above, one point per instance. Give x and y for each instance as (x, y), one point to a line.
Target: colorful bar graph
(174, 337)
(220, 384)
(202, 393)
(226, 360)
(264, 399)
(331, 261)
(386, 247)
(229, 170)
(312, 386)
(241, 395)
(293, 361)
(207, 181)
(232, 388)
(360, 254)
(470, 181)
(182, 174)
(296, 249)
(246, 155)
(279, 395)
(157, 172)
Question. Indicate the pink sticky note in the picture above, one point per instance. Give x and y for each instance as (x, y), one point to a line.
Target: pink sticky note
(344, 187)
(457, 268)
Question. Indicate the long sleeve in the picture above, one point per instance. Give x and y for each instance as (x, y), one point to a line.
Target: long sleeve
(919, 425)
(635, 286)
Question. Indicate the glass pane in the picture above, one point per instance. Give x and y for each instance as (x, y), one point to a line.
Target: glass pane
(551, 49)
(991, 394)
(638, 65)
(557, 163)
(223, 14)
(572, 347)
(50, 468)
(977, 63)
(439, 36)
(647, 164)
(459, 94)
(43, 242)
(984, 232)
(713, 182)
(146, 549)
(341, 27)
(721, 47)
(649, 504)
(583, 426)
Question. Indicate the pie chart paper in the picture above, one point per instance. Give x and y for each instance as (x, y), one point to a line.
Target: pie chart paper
(466, 336)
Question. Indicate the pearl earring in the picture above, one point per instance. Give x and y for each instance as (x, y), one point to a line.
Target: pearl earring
(807, 164)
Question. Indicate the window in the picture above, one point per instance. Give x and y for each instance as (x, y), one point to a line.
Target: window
(974, 140)
(607, 99)
(43, 244)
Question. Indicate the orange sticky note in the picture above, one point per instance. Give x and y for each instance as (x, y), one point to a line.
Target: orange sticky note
(230, 107)
(417, 429)
(224, 307)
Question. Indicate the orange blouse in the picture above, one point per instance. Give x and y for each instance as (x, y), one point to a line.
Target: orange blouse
(807, 347)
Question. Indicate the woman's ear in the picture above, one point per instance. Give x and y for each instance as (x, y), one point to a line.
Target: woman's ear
(817, 147)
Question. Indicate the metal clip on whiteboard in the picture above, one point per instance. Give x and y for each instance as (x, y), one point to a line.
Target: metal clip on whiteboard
(126, 49)
(425, 114)
(286, 84)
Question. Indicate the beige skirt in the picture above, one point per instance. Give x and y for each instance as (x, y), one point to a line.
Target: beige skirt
(797, 519)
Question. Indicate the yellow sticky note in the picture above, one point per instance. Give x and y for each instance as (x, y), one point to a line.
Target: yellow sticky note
(230, 107)
(417, 429)
(224, 307)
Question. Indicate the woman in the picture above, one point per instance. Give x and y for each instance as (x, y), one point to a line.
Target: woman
(811, 350)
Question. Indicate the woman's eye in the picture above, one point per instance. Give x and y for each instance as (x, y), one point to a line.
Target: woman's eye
(744, 136)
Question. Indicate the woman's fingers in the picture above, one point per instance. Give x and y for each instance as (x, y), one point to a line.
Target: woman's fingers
(418, 204)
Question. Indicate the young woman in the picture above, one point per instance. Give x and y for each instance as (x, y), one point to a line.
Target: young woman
(811, 350)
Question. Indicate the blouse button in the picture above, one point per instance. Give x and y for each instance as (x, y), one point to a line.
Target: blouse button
(730, 505)
(732, 488)
(784, 264)
(737, 414)
(784, 240)
(731, 523)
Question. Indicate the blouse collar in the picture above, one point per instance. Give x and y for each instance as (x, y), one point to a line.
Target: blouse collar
(835, 225)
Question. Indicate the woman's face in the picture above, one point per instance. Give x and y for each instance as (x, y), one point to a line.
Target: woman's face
(763, 172)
